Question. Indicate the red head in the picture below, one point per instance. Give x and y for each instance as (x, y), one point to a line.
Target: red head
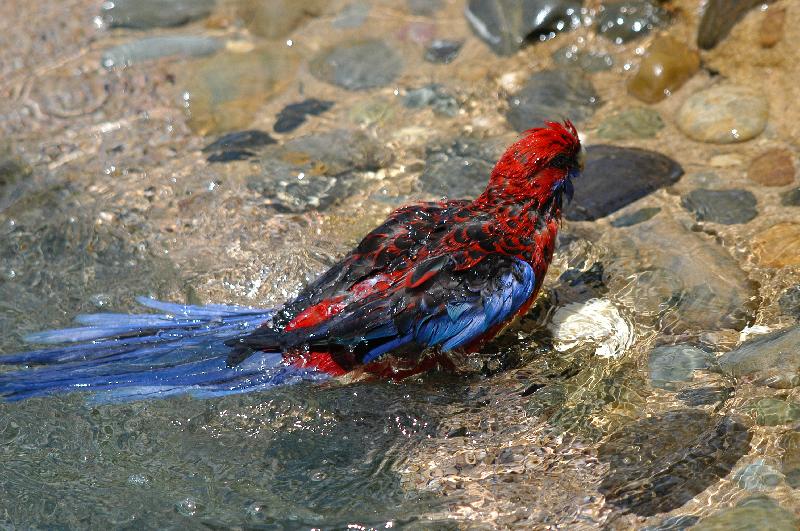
(539, 166)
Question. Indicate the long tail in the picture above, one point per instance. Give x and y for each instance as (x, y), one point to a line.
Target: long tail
(125, 357)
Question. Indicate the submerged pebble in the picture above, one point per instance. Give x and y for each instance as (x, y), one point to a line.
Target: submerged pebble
(635, 217)
(774, 167)
(275, 19)
(665, 67)
(728, 207)
(424, 7)
(457, 170)
(790, 464)
(719, 16)
(778, 246)
(587, 60)
(789, 301)
(723, 114)
(443, 51)
(675, 363)
(352, 15)
(758, 476)
(623, 21)
(506, 26)
(157, 47)
(434, 96)
(773, 411)
(552, 95)
(752, 513)
(237, 146)
(630, 124)
(358, 65)
(595, 323)
(791, 198)
(771, 359)
(294, 115)
(145, 14)
(615, 177)
(772, 27)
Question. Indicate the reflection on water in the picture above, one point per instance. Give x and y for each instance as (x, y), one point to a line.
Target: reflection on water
(624, 399)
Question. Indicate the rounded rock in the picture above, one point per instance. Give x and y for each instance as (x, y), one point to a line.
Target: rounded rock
(774, 167)
(778, 246)
(358, 65)
(665, 67)
(723, 115)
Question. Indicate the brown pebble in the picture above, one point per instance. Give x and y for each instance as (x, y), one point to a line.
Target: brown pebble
(771, 31)
(774, 167)
(666, 66)
(778, 246)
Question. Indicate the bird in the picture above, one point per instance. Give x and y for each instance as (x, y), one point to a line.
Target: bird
(434, 281)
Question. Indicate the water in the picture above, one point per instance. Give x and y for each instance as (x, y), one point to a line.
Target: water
(555, 423)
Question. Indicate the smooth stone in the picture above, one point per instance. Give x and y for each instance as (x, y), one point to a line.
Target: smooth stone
(424, 8)
(274, 19)
(505, 25)
(772, 359)
(294, 115)
(789, 302)
(675, 363)
(230, 156)
(237, 146)
(226, 90)
(771, 30)
(552, 95)
(457, 170)
(791, 198)
(719, 17)
(636, 217)
(773, 412)
(631, 124)
(728, 207)
(144, 14)
(587, 60)
(790, 463)
(594, 324)
(674, 523)
(758, 476)
(443, 51)
(357, 65)
(624, 21)
(666, 66)
(778, 246)
(774, 167)
(615, 177)
(352, 15)
(157, 47)
(748, 515)
(372, 111)
(433, 96)
(723, 115)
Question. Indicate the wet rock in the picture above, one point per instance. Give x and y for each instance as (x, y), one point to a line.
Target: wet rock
(771, 31)
(615, 177)
(675, 363)
(424, 8)
(773, 167)
(588, 61)
(791, 198)
(144, 14)
(357, 65)
(293, 115)
(728, 207)
(12, 170)
(443, 51)
(434, 96)
(352, 16)
(674, 523)
(789, 302)
(552, 95)
(624, 21)
(790, 463)
(276, 18)
(506, 25)
(372, 111)
(704, 396)
(638, 216)
(723, 114)
(659, 463)
(771, 359)
(596, 324)
(753, 513)
(457, 170)
(157, 47)
(237, 146)
(226, 90)
(778, 246)
(773, 412)
(719, 17)
(630, 124)
(665, 67)
(757, 476)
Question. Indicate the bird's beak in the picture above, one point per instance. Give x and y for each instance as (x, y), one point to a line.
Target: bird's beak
(582, 158)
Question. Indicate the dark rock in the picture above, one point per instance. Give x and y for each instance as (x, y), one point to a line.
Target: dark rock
(443, 51)
(252, 138)
(231, 155)
(718, 19)
(294, 114)
(152, 48)
(728, 207)
(144, 14)
(704, 396)
(357, 65)
(588, 61)
(506, 25)
(433, 96)
(773, 359)
(791, 198)
(638, 216)
(629, 19)
(552, 95)
(12, 170)
(758, 512)
(424, 8)
(789, 302)
(675, 363)
(615, 177)
(660, 463)
(458, 170)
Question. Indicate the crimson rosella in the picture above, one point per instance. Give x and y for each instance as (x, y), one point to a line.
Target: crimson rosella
(434, 279)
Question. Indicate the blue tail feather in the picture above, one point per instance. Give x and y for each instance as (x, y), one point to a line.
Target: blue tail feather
(123, 357)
